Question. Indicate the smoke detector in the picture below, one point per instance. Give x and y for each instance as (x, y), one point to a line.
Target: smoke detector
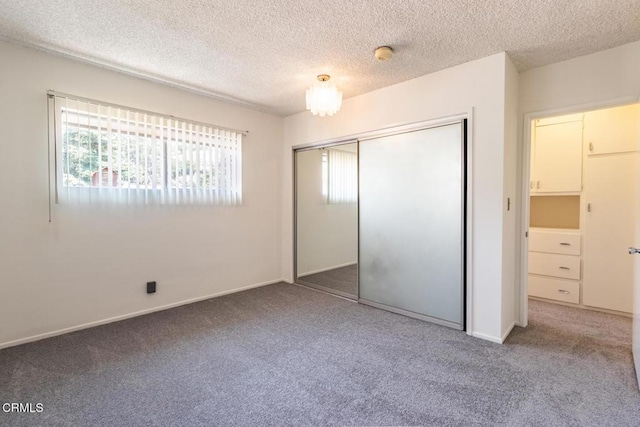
(383, 53)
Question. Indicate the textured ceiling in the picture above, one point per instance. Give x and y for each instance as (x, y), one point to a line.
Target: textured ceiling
(266, 53)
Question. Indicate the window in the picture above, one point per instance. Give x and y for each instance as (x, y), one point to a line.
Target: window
(339, 176)
(107, 153)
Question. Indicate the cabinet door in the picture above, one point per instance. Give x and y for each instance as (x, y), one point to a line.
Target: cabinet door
(613, 130)
(557, 158)
(610, 191)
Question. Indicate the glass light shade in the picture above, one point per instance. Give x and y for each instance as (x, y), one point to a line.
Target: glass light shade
(324, 99)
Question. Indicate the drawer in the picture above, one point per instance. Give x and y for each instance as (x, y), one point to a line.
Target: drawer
(564, 266)
(555, 242)
(556, 289)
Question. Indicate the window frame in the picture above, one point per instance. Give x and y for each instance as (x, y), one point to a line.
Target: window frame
(219, 141)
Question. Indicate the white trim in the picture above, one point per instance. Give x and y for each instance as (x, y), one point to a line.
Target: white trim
(523, 319)
(583, 108)
(526, 175)
(469, 259)
(494, 339)
(327, 269)
(486, 337)
(508, 331)
(582, 307)
(130, 315)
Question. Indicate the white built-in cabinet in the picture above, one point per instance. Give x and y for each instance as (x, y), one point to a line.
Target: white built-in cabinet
(554, 264)
(556, 161)
(612, 130)
(610, 188)
(593, 156)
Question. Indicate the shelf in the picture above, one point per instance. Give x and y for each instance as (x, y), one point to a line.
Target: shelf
(555, 212)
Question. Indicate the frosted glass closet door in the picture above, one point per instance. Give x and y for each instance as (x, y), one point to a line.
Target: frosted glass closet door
(412, 223)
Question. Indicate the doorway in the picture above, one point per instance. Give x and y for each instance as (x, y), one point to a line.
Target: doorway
(580, 208)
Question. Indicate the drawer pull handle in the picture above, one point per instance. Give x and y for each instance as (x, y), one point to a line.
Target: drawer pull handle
(562, 291)
(564, 268)
(565, 244)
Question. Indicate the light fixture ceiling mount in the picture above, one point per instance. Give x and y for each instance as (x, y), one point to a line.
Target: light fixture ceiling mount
(383, 53)
(323, 99)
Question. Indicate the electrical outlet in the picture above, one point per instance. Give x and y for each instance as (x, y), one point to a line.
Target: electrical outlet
(151, 287)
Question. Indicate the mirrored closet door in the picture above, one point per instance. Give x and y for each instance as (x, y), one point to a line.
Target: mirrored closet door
(382, 221)
(326, 181)
(412, 223)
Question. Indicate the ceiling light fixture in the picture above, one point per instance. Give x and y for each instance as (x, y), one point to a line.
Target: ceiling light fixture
(383, 53)
(323, 99)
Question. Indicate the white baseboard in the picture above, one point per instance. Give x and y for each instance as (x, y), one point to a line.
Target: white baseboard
(308, 273)
(130, 315)
(582, 307)
(495, 339)
(508, 331)
(487, 337)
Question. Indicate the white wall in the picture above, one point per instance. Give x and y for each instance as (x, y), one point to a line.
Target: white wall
(477, 85)
(89, 265)
(604, 75)
(327, 232)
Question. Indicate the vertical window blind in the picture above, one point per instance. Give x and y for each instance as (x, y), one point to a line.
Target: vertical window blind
(112, 154)
(341, 171)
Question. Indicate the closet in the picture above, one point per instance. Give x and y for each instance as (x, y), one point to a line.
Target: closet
(582, 208)
(382, 220)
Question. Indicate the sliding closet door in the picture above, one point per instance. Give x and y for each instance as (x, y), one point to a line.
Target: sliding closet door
(412, 223)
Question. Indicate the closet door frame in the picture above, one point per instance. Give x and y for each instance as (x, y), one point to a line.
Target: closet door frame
(468, 202)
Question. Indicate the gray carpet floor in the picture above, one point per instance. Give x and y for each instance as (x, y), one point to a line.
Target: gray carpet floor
(285, 355)
(343, 279)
